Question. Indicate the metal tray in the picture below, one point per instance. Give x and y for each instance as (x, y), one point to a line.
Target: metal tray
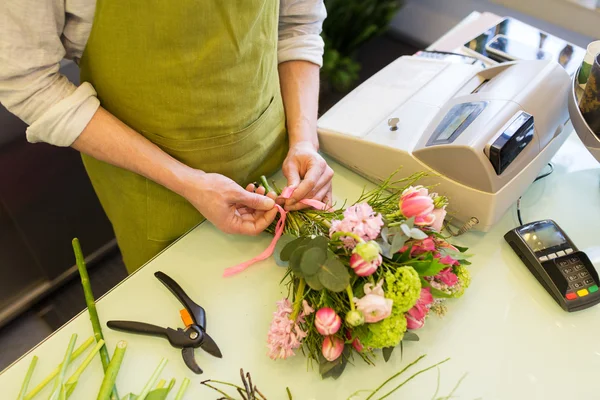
(587, 136)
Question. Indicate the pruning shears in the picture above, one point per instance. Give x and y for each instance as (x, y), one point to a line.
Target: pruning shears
(193, 336)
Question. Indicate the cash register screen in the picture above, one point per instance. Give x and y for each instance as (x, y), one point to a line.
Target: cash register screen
(542, 237)
(455, 122)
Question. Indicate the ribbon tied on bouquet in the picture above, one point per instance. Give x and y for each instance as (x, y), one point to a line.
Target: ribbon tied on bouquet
(268, 252)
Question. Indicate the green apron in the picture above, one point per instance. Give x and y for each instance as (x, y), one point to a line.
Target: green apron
(199, 79)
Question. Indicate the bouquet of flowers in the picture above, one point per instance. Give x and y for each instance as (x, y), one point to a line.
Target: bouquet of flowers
(363, 278)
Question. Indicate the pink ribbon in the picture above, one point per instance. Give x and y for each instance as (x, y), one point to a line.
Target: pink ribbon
(268, 252)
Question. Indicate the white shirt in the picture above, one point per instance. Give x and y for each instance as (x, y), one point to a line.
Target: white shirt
(35, 35)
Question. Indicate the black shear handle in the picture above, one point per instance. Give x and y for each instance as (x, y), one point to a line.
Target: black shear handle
(196, 312)
(138, 327)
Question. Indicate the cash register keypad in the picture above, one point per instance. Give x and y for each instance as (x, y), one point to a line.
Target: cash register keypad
(580, 283)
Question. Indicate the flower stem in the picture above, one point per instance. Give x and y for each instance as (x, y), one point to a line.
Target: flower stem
(265, 183)
(350, 297)
(182, 389)
(298, 299)
(72, 381)
(110, 376)
(153, 379)
(27, 378)
(58, 381)
(354, 236)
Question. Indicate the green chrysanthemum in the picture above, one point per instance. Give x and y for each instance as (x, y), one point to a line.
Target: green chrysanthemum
(464, 279)
(386, 333)
(403, 287)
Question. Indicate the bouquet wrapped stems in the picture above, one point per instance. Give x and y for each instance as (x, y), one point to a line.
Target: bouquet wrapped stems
(91, 305)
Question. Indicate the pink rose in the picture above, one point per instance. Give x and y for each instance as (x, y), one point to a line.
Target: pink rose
(440, 215)
(327, 321)
(332, 348)
(373, 305)
(415, 317)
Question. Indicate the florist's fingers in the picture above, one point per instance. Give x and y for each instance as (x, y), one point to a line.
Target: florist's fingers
(291, 173)
(251, 188)
(324, 181)
(310, 180)
(257, 224)
(260, 190)
(254, 200)
(320, 196)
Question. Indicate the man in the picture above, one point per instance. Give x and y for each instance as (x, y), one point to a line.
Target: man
(192, 98)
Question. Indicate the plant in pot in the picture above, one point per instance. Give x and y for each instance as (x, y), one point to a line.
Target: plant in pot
(349, 24)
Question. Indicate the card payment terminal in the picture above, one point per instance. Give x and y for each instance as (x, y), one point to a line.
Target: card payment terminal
(564, 271)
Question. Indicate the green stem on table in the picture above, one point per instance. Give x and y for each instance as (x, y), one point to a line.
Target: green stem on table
(153, 379)
(289, 393)
(171, 384)
(350, 297)
(110, 376)
(91, 305)
(410, 378)
(394, 377)
(182, 389)
(354, 236)
(58, 381)
(298, 299)
(79, 351)
(265, 184)
(71, 383)
(25, 384)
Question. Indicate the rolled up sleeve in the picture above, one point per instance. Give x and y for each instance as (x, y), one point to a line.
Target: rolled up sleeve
(300, 26)
(31, 85)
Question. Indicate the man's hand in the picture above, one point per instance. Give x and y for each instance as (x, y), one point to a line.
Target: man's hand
(229, 207)
(308, 173)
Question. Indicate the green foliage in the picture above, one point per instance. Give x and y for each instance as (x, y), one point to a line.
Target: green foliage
(385, 333)
(403, 286)
(349, 24)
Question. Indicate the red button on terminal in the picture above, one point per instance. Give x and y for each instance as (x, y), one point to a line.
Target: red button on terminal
(571, 296)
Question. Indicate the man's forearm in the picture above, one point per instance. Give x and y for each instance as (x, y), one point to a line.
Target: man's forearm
(299, 82)
(110, 140)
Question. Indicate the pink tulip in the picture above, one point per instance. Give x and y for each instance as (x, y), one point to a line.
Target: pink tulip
(327, 321)
(332, 348)
(440, 215)
(415, 202)
(415, 317)
(362, 267)
(425, 220)
(374, 306)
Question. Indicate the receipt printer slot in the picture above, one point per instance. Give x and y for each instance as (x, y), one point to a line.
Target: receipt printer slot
(511, 142)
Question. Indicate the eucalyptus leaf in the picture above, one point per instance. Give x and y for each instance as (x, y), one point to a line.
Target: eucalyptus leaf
(281, 243)
(158, 394)
(312, 260)
(288, 249)
(417, 234)
(334, 275)
(397, 243)
(461, 249)
(410, 336)
(384, 234)
(296, 259)
(313, 282)
(322, 242)
(387, 353)
(386, 248)
(457, 255)
(410, 222)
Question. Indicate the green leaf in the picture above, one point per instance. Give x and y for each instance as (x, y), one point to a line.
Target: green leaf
(281, 243)
(295, 260)
(387, 353)
(410, 222)
(454, 254)
(321, 242)
(312, 260)
(402, 257)
(313, 282)
(461, 249)
(334, 275)
(410, 336)
(430, 266)
(158, 394)
(288, 249)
